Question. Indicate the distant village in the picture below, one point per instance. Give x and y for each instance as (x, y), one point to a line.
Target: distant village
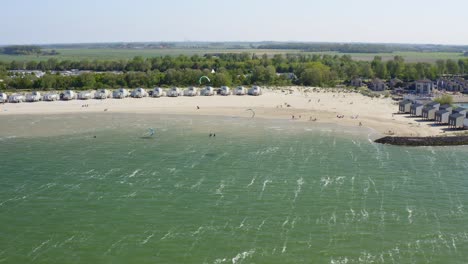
(455, 84)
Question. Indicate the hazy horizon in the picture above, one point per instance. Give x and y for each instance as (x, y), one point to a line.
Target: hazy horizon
(332, 21)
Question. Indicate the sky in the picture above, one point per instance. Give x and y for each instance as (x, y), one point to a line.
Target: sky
(375, 21)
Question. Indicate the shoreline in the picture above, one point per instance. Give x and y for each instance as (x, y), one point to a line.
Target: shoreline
(324, 107)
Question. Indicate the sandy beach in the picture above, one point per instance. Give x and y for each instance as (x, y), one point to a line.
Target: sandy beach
(304, 104)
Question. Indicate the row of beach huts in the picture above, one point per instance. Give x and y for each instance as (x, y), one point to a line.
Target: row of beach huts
(454, 117)
(121, 93)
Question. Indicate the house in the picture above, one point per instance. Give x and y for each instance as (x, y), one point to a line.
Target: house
(174, 92)
(33, 97)
(377, 85)
(459, 110)
(240, 90)
(191, 91)
(442, 116)
(139, 93)
(405, 106)
(51, 97)
(120, 93)
(208, 91)
(157, 92)
(255, 90)
(424, 86)
(356, 82)
(396, 83)
(225, 90)
(68, 95)
(456, 120)
(102, 94)
(16, 98)
(85, 95)
(429, 110)
(3, 97)
(416, 109)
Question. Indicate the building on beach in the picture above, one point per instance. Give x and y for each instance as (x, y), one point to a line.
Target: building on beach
(424, 86)
(225, 91)
(405, 106)
(85, 95)
(240, 90)
(255, 90)
(429, 110)
(102, 94)
(456, 120)
(208, 91)
(191, 91)
(16, 98)
(3, 98)
(174, 92)
(442, 116)
(139, 93)
(120, 93)
(51, 97)
(377, 85)
(68, 95)
(157, 92)
(33, 97)
(396, 83)
(416, 109)
(459, 110)
(356, 82)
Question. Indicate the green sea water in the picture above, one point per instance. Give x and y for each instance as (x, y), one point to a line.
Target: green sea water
(96, 189)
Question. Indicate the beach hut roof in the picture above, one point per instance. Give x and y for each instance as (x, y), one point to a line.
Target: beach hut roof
(440, 112)
(456, 115)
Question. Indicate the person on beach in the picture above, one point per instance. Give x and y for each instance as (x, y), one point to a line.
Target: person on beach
(360, 124)
(198, 108)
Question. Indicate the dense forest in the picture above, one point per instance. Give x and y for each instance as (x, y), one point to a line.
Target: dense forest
(26, 50)
(230, 69)
(364, 47)
(21, 50)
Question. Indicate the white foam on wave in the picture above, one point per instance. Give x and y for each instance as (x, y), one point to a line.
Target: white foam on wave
(134, 173)
(199, 182)
(220, 189)
(236, 259)
(410, 214)
(300, 182)
(251, 182)
(147, 239)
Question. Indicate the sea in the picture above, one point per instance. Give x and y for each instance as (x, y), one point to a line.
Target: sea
(99, 188)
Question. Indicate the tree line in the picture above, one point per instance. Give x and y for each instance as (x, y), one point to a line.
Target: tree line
(229, 69)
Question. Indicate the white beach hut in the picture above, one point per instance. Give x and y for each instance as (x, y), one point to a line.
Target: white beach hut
(191, 91)
(158, 92)
(255, 90)
(16, 98)
(225, 90)
(208, 91)
(51, 97)
(174, 92)
(120, 93)
(33, 97)
(240, 90)
(3, 97)
(139, 93)
(69, 95)
(102, 94)
(85, 95)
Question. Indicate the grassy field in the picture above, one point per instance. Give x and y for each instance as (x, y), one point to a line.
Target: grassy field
(116, 54)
